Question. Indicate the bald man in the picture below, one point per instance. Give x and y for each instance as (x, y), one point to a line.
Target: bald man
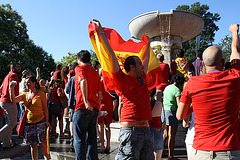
(215, 99)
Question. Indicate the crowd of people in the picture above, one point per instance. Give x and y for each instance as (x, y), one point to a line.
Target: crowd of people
(200, 95)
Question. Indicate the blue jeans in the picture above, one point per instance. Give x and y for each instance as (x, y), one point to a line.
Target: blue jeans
(135, 143)
(84, 127)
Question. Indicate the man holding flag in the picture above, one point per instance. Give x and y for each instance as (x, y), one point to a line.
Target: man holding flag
(136, 141)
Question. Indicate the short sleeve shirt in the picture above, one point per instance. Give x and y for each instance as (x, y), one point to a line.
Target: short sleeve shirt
(35, 111)
(165, 72)
(5, 97)
(94, 85)
(135, 98)
(216, 104)
(169, 97)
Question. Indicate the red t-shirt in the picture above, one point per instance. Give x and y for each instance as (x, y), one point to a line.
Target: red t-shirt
(54, 95)
(135, 98)
(107, 101)
(94, 85)
(165, 72)
(216, 104)
(5, 97)
(71, 73)
(57, 74)
(65, 80)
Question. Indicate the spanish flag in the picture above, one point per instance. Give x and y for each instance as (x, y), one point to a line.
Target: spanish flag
(122, 50)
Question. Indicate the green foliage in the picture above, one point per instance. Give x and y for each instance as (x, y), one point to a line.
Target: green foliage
(208, 32)
(41, 60)
(93, 56)
(15, 46)
(225, 45)
(72, 57)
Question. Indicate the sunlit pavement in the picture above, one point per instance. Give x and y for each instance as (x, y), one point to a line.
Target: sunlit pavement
(61, 150)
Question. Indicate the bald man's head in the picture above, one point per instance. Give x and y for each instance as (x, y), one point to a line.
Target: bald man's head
(212, 56)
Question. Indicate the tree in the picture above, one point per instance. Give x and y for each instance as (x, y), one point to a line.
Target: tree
(225, 45)
(13, 31)
(208, 32)
(72, 57)
(15, 46)
(34, 56)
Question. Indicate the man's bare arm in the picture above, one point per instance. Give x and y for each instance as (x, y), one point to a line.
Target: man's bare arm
(146, 57)
(234, 28)
(112, 57)
(183, 110)
(84, 90)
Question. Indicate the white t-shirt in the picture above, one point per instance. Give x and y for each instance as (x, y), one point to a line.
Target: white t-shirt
(191, 131)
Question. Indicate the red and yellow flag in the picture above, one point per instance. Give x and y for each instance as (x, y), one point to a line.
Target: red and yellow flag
(122, 50)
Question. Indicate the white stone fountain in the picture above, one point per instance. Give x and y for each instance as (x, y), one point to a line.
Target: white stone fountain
(167, 30)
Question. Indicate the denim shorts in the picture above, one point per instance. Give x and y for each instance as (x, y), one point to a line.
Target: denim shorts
(171, 119)
(157, 138)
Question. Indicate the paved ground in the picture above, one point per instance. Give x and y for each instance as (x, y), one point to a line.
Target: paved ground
(61, 150)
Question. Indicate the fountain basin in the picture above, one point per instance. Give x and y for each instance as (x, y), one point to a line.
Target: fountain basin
(182, 24)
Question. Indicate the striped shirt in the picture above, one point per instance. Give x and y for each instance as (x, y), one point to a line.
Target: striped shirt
(198, 65)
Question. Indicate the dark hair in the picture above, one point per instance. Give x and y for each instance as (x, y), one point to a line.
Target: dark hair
(160, 57)
(58, 66)
(85, 56)
(64, 72)
(13, 65)
(191, 68)
(178, 52)
(152, 92)
(33, 79)
(227, 65)
(75, 64)
(129, 61)
(199, 54)
(179, 79)
(94, 64)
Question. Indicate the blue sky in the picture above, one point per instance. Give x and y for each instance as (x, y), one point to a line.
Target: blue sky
(60, 26)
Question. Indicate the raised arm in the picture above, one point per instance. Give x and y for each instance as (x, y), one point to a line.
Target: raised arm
(12, 93)
(115, 65)
(234, 28)
(146, 57)
(38, 74)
